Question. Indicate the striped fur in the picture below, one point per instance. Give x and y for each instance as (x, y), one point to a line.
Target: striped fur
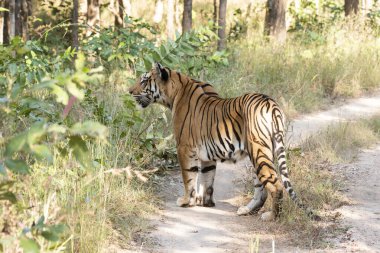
(208, 129)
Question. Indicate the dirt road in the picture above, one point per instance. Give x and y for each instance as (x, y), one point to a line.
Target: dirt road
(362, 218)
(219, 229)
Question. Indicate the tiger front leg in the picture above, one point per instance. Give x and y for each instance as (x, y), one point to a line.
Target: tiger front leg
(189, 169)
(206, 184)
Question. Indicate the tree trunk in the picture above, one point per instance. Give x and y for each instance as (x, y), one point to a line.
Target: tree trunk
(187, 17)
(366, 6)
(170, 19)
(127, 7)
(159, 11)
(178, 16)
(26, 12)
(18, 18)
(1, 22)
(93, 16)
(275, 25)
(75, 26)
(215, 14)
(222, 25)
(119, 18)
(6, 23)
(12, 19)
(351, 6)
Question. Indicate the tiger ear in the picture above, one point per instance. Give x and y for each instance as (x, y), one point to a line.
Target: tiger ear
(162, 71)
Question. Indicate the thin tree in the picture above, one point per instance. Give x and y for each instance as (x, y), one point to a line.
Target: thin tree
(74, 30)
(170, 19)
(222, 25)
(215, 13)
(275, 25)
(350, 7)
(158, 11)
(367, 6)
(26, 12)
(12, 19)
(1, 22)
(119, 17)
(187, 17)
(93, 15)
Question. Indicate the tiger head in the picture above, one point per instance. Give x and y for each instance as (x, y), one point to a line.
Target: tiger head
(152, 87)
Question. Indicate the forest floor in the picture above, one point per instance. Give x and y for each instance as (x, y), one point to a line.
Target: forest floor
(219, 229)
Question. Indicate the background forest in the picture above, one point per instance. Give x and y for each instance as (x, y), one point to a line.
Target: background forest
(78, 163)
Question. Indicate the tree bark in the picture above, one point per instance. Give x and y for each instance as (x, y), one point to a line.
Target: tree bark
(159, 11)
(187, 17)
(26, 12)
(222, 25)
(127, 7)
(275, 25)
(119, 19)
(93, 15)
(12, 19)
(6, 23)
(2, 22)
(366, 7)
(18, 17)
(351, 7)
(75, 26)
(178, 16)
(215, 13)
(170, 20)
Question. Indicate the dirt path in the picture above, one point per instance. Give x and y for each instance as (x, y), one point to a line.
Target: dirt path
(362, 218)
(219, 229)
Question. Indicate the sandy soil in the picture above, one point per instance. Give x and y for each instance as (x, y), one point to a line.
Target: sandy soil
(362, 218)
(219, 229)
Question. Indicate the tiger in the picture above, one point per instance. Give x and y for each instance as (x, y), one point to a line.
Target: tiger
(210, 129)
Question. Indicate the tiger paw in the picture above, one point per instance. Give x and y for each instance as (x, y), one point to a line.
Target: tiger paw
(243, 210)
(268, 216)
(183, 201)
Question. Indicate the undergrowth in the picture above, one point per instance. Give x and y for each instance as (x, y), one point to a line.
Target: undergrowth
(316, 184)
(303, 77)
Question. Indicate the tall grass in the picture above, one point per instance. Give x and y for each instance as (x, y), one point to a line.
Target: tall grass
(102, 206)
(303, 76)
(316, 183)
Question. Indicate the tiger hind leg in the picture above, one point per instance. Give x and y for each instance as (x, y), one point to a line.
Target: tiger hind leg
(273, 185)
(206, 184)
(259, 197)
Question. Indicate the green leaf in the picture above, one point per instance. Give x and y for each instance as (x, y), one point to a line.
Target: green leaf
(42, 151)
(73, 89)
(8, 196)
(36, 131)
(79, 62)
(90, 128)
(15, 144)
(50, 236)
(3, 9)
(80, 150)
(147, 64)
(52, 232)
(45, 84)
(61, 94)
(58, 228)
(29, 245)
(40, 222)
(12, 68)
(17, 166)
